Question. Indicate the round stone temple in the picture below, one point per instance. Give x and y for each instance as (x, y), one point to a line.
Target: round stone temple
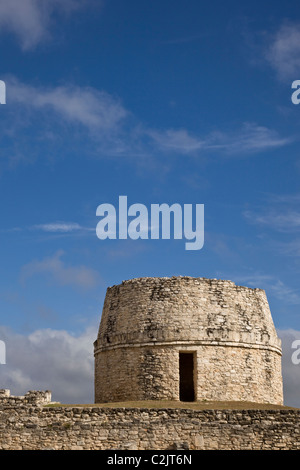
(187, 339)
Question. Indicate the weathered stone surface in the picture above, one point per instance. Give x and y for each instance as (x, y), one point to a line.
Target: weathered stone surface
(147, 322)
(36, 427)
(33, 397)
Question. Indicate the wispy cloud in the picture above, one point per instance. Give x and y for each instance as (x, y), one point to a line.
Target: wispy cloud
(271, 285)
(276, 219)
(179, 141)
(283, 51)
(277, 212)
(285, 293)
(54, 266)
(93, 109)
(250, 138)
(60, 228)
(290, 248)
(32, 20)
(78, 115)
(283, 198)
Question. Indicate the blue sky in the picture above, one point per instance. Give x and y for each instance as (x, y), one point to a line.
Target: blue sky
(162, 101)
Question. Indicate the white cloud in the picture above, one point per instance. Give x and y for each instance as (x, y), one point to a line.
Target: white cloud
(71, 113)
(284, 198)
(279, 219)
(31, 20)
(53, 228)
(278, 212)
(290, 248)
(50, 360)
(176, 140)
(250, 138)
(95, 110)
(61, 227)
(283, 52)
(285, 293)
(77, 276)
(272, 286)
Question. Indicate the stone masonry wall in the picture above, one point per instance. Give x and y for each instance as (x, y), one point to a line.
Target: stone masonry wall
(33, 397)
(185, 309)
(153, 374)
(88, 428)
(147, 322)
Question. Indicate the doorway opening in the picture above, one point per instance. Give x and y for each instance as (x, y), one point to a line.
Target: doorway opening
(186, 376)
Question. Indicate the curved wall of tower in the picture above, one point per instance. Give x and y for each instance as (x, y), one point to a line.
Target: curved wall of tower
(184, 338)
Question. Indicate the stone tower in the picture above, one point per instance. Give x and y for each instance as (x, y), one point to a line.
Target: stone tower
(187, 339)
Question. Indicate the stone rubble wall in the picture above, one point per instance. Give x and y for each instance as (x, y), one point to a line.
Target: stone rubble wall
(33, 397)
(31, 427)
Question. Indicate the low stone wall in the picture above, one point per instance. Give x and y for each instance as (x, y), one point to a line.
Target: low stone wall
(28, 426)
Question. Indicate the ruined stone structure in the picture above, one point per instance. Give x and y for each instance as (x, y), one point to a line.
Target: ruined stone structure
(31, 398)
(187, 339)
